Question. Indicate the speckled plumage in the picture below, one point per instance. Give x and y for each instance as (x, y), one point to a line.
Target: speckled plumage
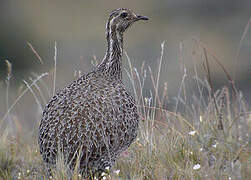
(94, 115)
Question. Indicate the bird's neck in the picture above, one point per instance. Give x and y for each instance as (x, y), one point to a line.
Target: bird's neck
(111, 66)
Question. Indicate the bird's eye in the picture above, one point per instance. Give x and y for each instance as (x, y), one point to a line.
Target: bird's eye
(124, 14)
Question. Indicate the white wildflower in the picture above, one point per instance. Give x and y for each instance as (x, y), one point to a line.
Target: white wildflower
(215, 145)
(107, 168)
(192, 133)
(116, 171)
(148, 101)
(103, 174)
(196, 167)
(201, 119)
(28, 171)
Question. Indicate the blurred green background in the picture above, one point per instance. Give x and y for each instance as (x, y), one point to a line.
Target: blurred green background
(79, 28)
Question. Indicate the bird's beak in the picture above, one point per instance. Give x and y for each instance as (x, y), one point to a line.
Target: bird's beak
(139, 17)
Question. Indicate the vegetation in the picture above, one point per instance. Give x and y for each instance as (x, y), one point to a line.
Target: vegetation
(204, 135)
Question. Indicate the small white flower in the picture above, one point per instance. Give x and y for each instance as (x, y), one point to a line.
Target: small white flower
(116, 171)
(229, 178)
(28, 171)
(192, 133)
(19, 174)
(107, 168)
(148, 101)
(215, 145)
(79, 175)
(50, 177)
(201, 119)
(104, 178)
(196, 167)
(103, 174)
(201, 149)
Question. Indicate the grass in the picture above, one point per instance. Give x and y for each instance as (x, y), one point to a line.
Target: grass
(205, 135)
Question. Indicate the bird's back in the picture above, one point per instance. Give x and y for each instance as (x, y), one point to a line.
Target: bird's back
(93, 114)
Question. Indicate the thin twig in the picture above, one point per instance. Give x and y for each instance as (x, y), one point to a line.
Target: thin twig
(239, 47)
(230, 79)
(141, 86)
(43, 83)
(220, 125)
(22, 94)
(131, 76)
(158, 75)
(35, 52)
(55, 68)
(9, 74)
(34, 95)
(180, 89)
(40, 92)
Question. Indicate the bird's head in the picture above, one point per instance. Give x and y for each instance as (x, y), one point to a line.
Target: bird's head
(121, 19)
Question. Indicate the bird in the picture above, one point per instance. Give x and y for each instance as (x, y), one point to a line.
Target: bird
(95, 118)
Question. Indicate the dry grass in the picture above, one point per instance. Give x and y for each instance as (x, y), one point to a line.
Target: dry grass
(205, 136)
